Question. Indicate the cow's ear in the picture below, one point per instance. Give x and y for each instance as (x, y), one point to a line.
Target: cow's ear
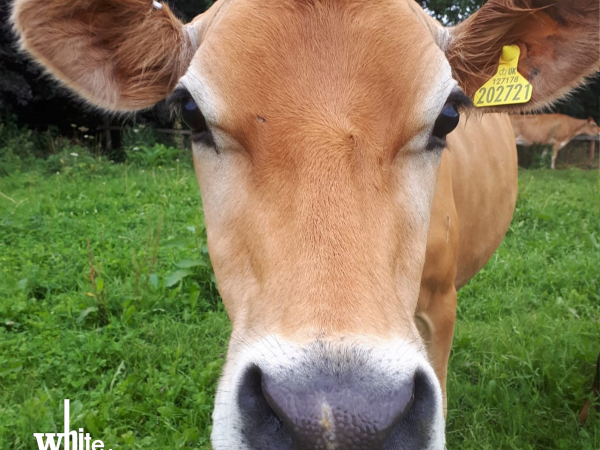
(121, 55)
(558, 40)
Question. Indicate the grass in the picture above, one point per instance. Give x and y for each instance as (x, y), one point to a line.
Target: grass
(147, 378)
(528, 328)
(107, 298)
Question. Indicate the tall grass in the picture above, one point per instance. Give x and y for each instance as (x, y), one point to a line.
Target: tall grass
(23, 150)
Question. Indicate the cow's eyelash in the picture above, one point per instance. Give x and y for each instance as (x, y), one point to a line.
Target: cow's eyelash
(173, 102)
(178, 104)
(460, 100)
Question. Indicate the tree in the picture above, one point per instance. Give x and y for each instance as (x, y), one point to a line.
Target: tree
(451, 12)
(188, 9)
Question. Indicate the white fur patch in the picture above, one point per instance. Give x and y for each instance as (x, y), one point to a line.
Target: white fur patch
(420, 175)
(201, 90)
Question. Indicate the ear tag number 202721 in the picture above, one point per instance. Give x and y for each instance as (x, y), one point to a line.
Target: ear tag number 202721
(508, 86)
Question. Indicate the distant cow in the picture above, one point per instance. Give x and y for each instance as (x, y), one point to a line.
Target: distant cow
(552, 129)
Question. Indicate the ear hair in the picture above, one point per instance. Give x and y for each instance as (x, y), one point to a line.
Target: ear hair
(468, 52)
(558, 40)
(121, 55)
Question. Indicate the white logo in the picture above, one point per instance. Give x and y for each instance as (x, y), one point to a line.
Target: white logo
(71, 439)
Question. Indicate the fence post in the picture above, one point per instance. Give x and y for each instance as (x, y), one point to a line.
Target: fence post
(106, 132)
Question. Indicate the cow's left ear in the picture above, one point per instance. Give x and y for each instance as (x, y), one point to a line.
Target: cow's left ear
(558, 39)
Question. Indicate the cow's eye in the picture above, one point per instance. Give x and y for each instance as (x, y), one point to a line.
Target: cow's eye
(193, 118)
(446, 122)
(183, 105)
(191, 115)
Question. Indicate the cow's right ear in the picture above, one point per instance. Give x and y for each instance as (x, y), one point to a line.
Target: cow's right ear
(558, 40)
(121, 55)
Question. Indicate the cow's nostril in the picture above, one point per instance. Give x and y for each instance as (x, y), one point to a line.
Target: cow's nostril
(414, 431)
(261, 428)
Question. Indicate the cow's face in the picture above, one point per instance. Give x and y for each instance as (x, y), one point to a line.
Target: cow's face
(317, 133)
(591, 128)
(317, 168)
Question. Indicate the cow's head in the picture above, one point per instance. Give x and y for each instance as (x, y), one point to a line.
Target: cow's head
(591, 128)
(318, 127)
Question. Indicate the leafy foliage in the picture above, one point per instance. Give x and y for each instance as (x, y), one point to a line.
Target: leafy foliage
(153, 156)
(451, 12)
(22, 149)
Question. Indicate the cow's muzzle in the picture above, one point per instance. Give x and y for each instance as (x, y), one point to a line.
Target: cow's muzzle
(338, 401)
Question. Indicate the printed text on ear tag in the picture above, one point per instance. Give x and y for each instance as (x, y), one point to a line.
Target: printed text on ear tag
(508, 86)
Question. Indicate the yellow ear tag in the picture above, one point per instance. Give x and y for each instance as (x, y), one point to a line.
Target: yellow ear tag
(508, 86)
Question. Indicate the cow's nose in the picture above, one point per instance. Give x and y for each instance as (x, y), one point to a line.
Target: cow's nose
(327, 415)
(333, 411)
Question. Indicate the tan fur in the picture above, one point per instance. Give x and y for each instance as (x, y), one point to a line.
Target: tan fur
(556, 130)
(321, 163)
(472, 209)
(558, 40)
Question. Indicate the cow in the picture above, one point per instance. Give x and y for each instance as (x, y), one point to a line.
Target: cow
(556, 130)
(348, 189)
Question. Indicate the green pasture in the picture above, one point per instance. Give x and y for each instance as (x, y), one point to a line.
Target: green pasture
(107, 298)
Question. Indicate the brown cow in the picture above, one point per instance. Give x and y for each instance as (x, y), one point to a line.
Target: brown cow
(338, 227)
(552, 129)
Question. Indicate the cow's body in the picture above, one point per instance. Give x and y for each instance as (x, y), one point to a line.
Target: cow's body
(556, 130)
(319, 132)
(472, 209)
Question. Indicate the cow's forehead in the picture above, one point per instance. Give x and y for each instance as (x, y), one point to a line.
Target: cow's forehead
(347, 65)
